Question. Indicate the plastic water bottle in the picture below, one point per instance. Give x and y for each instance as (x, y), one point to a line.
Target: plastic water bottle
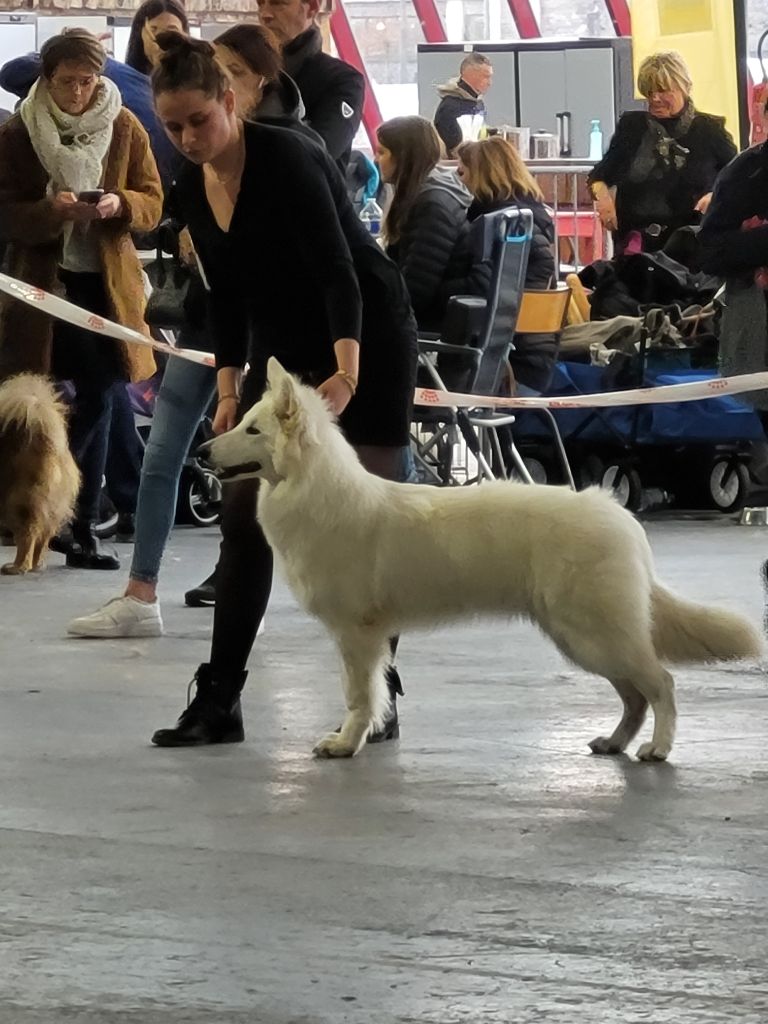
(371, 216)
(595, 141)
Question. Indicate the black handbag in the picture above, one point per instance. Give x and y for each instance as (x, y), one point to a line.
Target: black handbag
(178, 297)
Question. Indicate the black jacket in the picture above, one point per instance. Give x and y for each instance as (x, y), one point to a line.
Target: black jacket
(458, 98)
(534, 355)
(282, 106)
(741, 193)
(667, 196)
(433, 250)
(332, 92)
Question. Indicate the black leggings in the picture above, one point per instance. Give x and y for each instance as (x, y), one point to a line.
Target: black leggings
(244, 571)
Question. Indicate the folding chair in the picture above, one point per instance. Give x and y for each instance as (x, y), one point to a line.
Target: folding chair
(545, 311)
(479, 364)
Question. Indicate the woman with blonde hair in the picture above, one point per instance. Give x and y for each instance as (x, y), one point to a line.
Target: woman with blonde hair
(661, 165)
(495, 174)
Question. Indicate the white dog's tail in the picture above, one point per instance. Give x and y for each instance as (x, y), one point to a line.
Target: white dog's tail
(686, 631)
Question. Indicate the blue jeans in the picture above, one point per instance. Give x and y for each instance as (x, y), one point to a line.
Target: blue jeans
(185, 394)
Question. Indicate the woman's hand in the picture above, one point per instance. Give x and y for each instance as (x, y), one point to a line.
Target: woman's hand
(66, 203)
(110, 205)
(606, 210)
(337, 392)
(226, 415)
(703, 204)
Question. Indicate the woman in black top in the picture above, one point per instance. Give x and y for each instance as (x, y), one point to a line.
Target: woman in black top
(283, 253)
(661, 164)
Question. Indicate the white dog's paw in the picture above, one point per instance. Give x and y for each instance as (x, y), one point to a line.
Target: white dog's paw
(333, 746)
(603, 745)
(650, 752)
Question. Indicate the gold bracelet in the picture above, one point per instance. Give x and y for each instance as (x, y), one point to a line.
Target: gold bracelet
(223, 398)
(348, 379)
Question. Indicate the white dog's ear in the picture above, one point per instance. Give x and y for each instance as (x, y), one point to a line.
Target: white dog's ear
(275, 372)
(285, 398)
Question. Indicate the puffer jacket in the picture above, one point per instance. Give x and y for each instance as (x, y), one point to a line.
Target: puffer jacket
(534, 355)
(456, 99)
(433, 249)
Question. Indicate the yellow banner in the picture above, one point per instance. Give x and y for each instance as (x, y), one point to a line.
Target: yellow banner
(703, 32)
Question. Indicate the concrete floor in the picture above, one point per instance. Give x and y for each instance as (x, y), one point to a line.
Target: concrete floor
(484, 869)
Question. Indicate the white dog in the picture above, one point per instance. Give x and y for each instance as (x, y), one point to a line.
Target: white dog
(372, 558)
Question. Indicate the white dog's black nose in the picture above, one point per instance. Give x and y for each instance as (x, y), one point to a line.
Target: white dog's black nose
(203, 454)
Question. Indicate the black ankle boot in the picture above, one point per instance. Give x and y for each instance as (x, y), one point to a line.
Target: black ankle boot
(390, 729)
(213, 716)
(86, 551)
(63, 542)
(203, 595)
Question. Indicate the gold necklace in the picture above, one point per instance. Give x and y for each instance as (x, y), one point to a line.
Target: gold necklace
(228, 178)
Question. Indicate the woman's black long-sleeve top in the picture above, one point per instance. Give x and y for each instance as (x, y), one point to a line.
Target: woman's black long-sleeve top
(650, 189)
(282, 277)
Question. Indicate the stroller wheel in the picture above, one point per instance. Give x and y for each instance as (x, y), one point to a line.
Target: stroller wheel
(199, 499)
(625, 484)
(537, 469)
(727, 484)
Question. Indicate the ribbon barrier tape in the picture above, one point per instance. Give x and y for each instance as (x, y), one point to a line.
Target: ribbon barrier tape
(61, 309)
(691, 392)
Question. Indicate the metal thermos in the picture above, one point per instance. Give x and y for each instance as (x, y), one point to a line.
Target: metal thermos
(564, 132)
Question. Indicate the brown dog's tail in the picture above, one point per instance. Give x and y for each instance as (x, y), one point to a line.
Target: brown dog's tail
(684, 631)
(29, 402)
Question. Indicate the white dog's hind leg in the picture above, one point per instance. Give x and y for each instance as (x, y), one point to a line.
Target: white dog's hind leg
(365, 691)
(635, 708)
(658, 686)
(616, 651)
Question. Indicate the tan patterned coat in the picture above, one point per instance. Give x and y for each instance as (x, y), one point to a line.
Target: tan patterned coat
(34, 229)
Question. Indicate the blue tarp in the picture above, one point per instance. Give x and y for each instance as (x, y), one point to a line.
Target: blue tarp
(711, 420)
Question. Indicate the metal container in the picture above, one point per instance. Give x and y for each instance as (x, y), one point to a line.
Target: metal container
(520, 139)
(544, 146)
(754, 516)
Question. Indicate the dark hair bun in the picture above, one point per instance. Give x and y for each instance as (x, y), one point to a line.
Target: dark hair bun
(177, 45)
(187, 63)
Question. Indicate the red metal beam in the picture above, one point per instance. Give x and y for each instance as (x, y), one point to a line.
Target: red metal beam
(524, 19)
(431, 25)
(348, 50)
(620, 16)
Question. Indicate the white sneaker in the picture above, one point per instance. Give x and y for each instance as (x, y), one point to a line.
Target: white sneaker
(120, 617)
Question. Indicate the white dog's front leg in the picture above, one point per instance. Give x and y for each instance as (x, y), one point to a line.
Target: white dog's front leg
(365, 692)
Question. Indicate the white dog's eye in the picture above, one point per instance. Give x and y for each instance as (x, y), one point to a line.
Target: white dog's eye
(252, 430)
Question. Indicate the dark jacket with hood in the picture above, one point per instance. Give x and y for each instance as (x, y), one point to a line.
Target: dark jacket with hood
(331, 89)
(20, 74)
(433, 249)
(457, 99)
(282, 105)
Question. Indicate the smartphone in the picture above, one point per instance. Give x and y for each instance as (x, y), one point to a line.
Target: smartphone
(92, 196)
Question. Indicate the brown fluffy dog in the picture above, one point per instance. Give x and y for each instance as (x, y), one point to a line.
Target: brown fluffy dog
(39, 479)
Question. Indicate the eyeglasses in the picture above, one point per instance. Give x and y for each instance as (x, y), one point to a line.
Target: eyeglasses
(75, 84)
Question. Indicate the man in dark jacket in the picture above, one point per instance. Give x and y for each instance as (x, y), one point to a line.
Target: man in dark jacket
(332, 90)
(462, 95)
